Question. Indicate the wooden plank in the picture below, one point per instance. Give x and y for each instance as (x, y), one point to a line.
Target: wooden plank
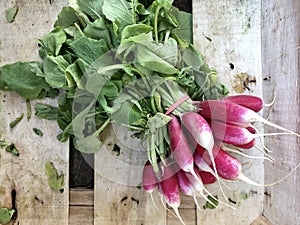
(261, 220)
(117, 198)
(188, 216)
(35, 202)
(228, 34)
(80, 215)
(281, 40)
(81, 197)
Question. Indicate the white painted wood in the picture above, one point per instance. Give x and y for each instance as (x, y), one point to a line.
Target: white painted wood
(229, 31)
(281, 40)
(26, 173)
(117, 199)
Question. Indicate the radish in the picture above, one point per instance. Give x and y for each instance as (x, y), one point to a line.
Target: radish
(149, 180)
(249, 101)
(201, 133)
(169, 189)
(180, 148)
(207, 178)
(228, 167)
(232, 113)
(186, 186)
(249, 145)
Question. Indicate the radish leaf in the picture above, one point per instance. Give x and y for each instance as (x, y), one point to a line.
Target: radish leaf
(55, 181)
(11, 13)
(6, 215)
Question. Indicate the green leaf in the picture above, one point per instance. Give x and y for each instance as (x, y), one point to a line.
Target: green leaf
(98, 30)
(157, 121)
(16, 121)
(192, 57)
(209, 205)
(46, 111)
(55, 181)
(53, 41)
(66, 17)
(6, 215)
(2, 143)
(91, 7)
(12, 149)
(54, 71)
(89, 49)
(167, 4)
(134, 30)
(185, 24)
(21, 78)
(120, 12)
(11, 13)
(151, 60)
(74, 76)
(38, 132)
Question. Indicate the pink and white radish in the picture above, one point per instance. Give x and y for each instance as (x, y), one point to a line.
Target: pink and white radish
(252, 102)
(149, 180)
(186, 186)
(169, 189)
(235, 135)
(232, 113)
(200, 131)
(249, 101)
(180, 148)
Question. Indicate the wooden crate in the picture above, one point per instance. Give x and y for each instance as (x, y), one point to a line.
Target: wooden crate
(241, 39)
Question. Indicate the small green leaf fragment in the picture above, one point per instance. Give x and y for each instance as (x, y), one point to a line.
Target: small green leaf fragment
(243, 195)
(11, 13)
(3, 143)
(55, 181)
(12, 149)
(209, 205)
(16, 121)
(38, 132)
(6, 215)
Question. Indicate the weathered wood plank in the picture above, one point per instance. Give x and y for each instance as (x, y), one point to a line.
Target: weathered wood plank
(261, 220)
(281, 40)
(228, 34)
(188, 216)
(81, 197)
(80, 215)
(117, 198)
(35, 202)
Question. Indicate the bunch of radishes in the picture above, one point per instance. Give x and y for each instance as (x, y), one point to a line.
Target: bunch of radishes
(197, 142)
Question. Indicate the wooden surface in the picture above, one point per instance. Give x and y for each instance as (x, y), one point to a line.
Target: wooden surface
(81, 209)
(26, 174)
(281, 40)
(228, 33)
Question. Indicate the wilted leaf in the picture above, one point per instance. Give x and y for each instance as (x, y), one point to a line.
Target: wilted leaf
(55, 181)
(16, 121)
(12, 149)
(11, 13)
(6, 215)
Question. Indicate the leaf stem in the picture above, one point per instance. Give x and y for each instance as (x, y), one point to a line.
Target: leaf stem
(156, 23)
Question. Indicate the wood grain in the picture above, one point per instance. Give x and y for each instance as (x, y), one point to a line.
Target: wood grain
(35, 202)
(281, 40)
(117, 198)
(261, 220)
(228, 34)
(80, 215)
(81, 197)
